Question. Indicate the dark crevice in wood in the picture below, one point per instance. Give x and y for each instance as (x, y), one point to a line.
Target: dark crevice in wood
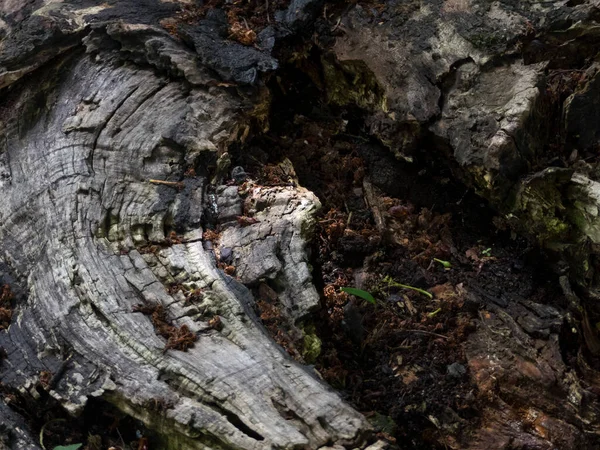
(235, 420)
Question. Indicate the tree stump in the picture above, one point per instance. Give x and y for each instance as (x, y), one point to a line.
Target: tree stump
(110, 130)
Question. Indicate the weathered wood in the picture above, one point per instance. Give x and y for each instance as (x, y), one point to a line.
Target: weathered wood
(99, 103)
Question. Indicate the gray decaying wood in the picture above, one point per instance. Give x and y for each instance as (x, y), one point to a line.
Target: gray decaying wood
(110, 102)
(274, 247)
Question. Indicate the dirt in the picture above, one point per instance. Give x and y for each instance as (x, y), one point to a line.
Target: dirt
(101, 426)
(414, 238)
(246, 18)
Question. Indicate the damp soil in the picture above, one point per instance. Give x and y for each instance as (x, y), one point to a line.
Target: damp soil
(414, 238)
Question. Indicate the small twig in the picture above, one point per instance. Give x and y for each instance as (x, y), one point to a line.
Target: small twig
(462, 198)
(566, 71)
(176, 184)
(121, 437)
(267, 8)
(352, 136)
(337, 25)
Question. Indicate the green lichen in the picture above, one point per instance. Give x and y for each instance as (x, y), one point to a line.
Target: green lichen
(108, 227)
(307, 225)
(166, 433)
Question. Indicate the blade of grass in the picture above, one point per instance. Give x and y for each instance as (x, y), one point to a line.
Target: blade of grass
(421, 291)
(359, 293)
(68, 447)
(44, 429)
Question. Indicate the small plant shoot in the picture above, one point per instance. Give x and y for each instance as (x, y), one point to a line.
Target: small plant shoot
(392, 282)
(446, 264)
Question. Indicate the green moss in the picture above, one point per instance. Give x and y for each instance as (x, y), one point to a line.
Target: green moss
(311, 348)
(577, 217)
(352, 83)
(383, 424)
(539, 206)
(486, 41)
(260, 112)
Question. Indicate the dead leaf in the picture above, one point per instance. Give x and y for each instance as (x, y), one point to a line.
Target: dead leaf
(473, 254)
(443, 291)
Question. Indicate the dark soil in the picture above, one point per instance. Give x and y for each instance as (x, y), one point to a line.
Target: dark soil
(400, 361)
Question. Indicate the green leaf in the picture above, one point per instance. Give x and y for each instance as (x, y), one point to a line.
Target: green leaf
(359, 293)
(487, 252)
(68, 447)
(446, 264)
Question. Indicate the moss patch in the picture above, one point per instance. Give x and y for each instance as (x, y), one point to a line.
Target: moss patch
(352, 83)
(311, 348)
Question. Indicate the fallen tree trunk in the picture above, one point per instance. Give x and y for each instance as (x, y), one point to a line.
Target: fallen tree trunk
(502, 92)
(106, 153)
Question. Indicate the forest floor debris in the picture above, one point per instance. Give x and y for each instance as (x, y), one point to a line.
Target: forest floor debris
(401, 361)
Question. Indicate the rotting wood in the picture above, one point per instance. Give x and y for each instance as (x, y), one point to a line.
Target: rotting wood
(120, 102)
